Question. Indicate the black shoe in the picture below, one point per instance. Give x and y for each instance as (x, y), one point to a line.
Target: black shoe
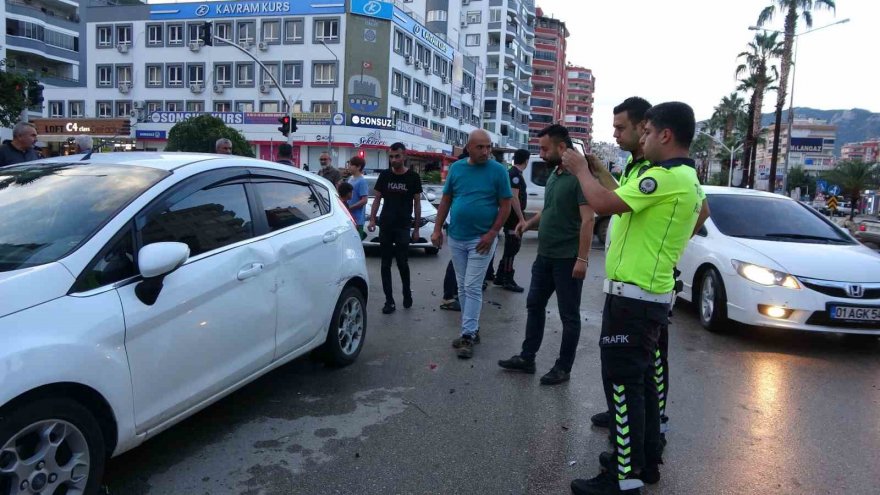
(601, 420)
(407, 300)
(456, 343)
(500, 280)
(605, 484)
(518, 363)
(450, 305)
(650, 474)
(388, 308)
(465, 347)
(513, 287)
(555, 376)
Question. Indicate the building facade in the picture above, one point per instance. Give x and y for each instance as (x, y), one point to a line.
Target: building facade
(812, 148)
(865, 151)
(360, 75)
(579, 103)
(549, 81)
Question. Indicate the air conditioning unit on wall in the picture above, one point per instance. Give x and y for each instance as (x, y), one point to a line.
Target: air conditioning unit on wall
(196, 88)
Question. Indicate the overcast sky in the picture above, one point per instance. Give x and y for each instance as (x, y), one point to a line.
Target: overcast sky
(686, 50)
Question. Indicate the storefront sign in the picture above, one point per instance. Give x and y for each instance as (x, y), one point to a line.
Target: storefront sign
(372, 139)
(215, 10)
(370, 121)
(806, 145)
(99, 127)
(142, 134)
(238, 118)
(407, 23)
(417, 130)
(175, 117)
(380, 9)
(301, 118)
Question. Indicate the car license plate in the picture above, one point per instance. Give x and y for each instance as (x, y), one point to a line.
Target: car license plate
(854, 313)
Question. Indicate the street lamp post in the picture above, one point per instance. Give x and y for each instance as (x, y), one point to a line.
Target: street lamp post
(791, 101)
(732, 155)
(333, 104)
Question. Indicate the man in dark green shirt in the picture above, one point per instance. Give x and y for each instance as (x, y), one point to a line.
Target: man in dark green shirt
(564, 236)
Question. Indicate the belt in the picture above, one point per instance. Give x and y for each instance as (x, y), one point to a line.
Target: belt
(631, 291)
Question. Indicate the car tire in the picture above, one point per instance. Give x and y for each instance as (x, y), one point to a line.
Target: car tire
(432, 251)
(712, 302)
(33, 430)
(345, 338)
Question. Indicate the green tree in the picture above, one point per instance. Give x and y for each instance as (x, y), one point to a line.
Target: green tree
(13, 97)
(798, 178)
(762, 73)
(200, 134)
(792, 9)
(702, 149)
(853, 177)
(727, 113)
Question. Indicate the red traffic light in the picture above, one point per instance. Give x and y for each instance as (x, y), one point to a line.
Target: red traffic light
(362, 154)
(285, 125)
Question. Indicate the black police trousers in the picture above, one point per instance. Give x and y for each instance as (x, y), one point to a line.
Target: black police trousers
(629, 349)
(512, 243)
(394, 246)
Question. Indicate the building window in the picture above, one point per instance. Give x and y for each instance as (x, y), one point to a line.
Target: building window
(175, 34)
(223, 74)
(273, 69)
(407, 46)
(293, 31)
(123, 75)
(123, 34)
(104, 35)
(196, 73)
(247, 32)
(174, 106)
(271, 31)
(474, 17)
(222, 106)
(192, 32)
(269, 107)
(56, 109)
(396, 82)
(419, 121)
(155, 34)
(244, 74)
(223, 30)
(195, 106)
(437, 16)
(105, 76)
(399, 37)
(293, 73)
(175, 75)
(153, 106)
(244, 106)
(327, 30)
(154, 75)
(76, 108)
(495, 14)
(104, 109)
(123, 109)
(472, 40)
(324, 74)
(322, 107)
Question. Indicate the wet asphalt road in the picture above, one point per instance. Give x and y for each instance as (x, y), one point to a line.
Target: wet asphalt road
(754, 412)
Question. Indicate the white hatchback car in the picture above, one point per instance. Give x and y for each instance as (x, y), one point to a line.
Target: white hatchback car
(426, 226)
(767, 260)
(138, 288)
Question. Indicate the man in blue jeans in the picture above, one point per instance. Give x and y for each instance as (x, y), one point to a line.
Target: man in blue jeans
(564, 238)
(477, 199)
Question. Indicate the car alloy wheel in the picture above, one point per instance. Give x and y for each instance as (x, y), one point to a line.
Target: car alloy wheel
(712, 303)
(348, 328)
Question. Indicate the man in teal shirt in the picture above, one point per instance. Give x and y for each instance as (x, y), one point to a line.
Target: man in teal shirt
(477, 199)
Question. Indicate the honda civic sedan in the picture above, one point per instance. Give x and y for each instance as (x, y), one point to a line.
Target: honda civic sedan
(138, 288)
(767, 260)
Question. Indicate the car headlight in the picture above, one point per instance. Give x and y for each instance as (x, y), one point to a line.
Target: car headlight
(765, 276)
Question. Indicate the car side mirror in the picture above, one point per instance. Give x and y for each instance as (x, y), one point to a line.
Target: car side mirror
(155, 262)
(431, 197)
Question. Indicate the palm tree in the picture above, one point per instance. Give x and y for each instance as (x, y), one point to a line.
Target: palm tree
(792, 10)
(727, 113)
(853, 177)
(762, 74)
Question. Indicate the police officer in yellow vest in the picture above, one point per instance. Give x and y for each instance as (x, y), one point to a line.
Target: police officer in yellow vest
(660, 209)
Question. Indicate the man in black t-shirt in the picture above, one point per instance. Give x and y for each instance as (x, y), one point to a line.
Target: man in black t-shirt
(401, 190)
(512, 241)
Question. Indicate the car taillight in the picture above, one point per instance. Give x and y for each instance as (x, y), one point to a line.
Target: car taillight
(346, 210)
(862, 228)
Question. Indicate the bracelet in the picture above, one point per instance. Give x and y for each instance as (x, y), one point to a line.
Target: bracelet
(585, 261)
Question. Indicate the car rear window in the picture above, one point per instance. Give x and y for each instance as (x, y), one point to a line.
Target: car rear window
(48, 209)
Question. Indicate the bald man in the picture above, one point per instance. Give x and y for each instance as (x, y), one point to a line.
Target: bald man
(477, 199)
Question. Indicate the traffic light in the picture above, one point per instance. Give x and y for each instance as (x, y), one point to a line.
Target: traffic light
(293, 125)
(285, 125)
(362, 154)
(206, 33)
(35, 93)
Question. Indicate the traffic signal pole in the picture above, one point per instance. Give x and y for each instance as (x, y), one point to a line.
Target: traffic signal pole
(208, 38)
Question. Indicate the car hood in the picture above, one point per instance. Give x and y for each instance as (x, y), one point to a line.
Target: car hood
(849, 263)
(22, 289)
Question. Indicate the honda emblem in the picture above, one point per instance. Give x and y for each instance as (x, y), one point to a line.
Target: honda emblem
(855, 290)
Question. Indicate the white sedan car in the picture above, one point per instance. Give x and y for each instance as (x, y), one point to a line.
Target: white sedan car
(426, 226)
(138, 288)
(767, 260)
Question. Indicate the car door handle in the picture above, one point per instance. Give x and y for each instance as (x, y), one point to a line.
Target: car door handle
(331, 236)
(251, 271)
(533, 194)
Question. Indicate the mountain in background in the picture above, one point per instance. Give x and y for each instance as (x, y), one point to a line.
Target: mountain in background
(852, 125)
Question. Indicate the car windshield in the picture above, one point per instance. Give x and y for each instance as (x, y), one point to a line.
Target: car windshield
(48, 209)
(772, 219)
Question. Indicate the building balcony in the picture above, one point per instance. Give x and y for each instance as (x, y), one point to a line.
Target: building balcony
(491, 93)
(68, 20)
(47, 78)
(492, 70)
(548, 64)
(493, 47)
(525, 70)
